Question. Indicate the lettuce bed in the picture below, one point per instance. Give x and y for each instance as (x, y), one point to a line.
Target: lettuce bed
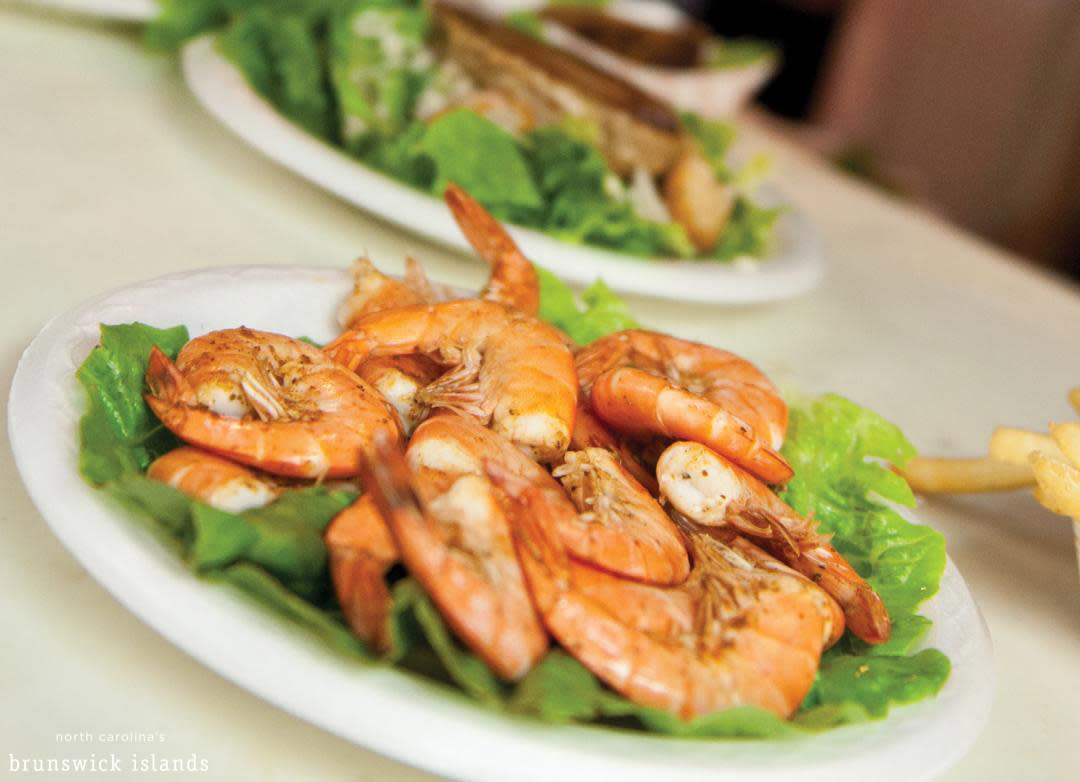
(276, 554)
(353, 72)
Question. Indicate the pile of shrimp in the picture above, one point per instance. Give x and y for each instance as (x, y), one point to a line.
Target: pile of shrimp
(614, 499)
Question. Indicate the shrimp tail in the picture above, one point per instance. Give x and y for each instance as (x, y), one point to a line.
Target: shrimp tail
(513, 280)
(864, 610)
(165, 380)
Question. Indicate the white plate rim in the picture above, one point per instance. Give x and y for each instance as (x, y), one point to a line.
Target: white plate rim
(381, 708)
(795, 266)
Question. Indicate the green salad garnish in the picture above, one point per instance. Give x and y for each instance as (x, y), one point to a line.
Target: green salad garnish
(355, 73)
(276, 555)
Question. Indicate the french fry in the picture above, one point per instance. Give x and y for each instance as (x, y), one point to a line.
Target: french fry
(1074, 398)
(1013, 445)
(1058, 484)
(1067, 439)
(960, 476)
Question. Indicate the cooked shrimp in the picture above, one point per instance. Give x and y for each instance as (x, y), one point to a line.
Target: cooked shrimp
(218, 482)
(643, 382)
(708, 489)
(627, 534)
(732, 634)
(454, 539)
(831, 612)
(620, 525)
(511, 369)
(589, 432)
(374, 291)
(268, 401)
(361, 551)
(513, 280)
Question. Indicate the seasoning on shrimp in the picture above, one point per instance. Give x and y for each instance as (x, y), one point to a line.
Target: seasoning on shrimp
(708, 489)
(268, 401)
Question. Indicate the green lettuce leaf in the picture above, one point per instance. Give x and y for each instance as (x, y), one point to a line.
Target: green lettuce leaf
(714, 138)
(118, 433)
(840, 452)
(528, 22)
(284, 537)
(574, 180)
(180, 20)
(737, 52)
(603, 311)
(480, 157)
(319, 624)
(877, 682)
(280, 55)
(749, 232)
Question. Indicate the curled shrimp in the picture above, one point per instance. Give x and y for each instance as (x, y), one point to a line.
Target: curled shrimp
(513, 281)
(620, 525)
(360, 551)
(454, 538)
(624, 531)
(268, 401)
(732, 634)
(402, 379)
(708, 489)
(510, 369)
(216, 481)
(643, 382)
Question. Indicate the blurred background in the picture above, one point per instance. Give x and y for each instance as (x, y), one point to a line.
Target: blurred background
(970, 107)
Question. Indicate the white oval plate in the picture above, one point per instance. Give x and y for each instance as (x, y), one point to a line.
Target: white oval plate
(118, 10)
(794, 266)
(388, 711)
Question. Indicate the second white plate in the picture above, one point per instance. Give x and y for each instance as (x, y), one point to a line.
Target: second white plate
(793, 267)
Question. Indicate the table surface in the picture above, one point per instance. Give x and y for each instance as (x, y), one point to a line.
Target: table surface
(110, 174)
